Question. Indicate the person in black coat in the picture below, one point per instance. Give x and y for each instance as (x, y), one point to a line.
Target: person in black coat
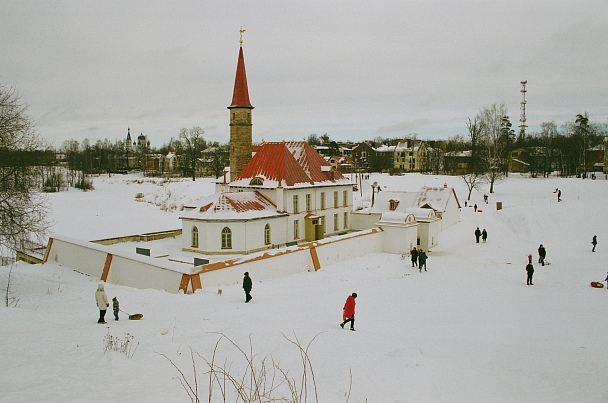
(594, 243)
(421, 260)
(484, 235)
(542, 253)
(477, 234)
(247, 285)
(530, 271)
(414, 254)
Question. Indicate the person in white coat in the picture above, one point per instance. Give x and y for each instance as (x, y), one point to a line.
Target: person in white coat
(102, 303)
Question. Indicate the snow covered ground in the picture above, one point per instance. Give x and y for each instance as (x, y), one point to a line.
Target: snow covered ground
(467, 330)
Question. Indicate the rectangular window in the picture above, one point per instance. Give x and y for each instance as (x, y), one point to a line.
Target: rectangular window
(336, 199)
(322, 200)
(344, 198)
(345, 220)
(295, 204)
(308, 202)
(335, 222)
(296, 230)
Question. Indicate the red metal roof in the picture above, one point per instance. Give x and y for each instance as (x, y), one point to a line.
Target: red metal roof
(243, 201)
(289, 163)
(240, 96)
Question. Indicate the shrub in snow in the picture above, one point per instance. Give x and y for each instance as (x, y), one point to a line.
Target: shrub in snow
(261, 380)
(123, 345)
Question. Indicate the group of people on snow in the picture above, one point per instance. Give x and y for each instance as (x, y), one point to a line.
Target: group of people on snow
(481, 234)
(419, 258)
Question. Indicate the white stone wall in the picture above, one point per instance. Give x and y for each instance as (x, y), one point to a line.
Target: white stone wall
(246, 235)
(398, 238)
(126, 269)
(146, 272)
(451, 215)
(363, 221)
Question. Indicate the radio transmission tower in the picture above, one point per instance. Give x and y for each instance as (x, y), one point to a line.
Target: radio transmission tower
(522, 114)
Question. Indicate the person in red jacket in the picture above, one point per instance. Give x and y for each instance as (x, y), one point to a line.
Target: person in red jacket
(349, 311)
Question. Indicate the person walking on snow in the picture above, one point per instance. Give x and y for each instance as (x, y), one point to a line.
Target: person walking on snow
(606, 280)
(475, 207)
(530, 271)
(348, 313)
(115, 307)
(484, 235)
(477, 234)
(421, 260)
(594, 243)
(102, 303)
(542, 253)
(559, 195)
(414, 254)
(247, 285)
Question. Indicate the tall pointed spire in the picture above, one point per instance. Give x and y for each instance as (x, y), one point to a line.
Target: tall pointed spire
(240, 96)
(240, 119)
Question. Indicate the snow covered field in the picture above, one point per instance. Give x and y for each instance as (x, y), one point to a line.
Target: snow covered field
(467, 330)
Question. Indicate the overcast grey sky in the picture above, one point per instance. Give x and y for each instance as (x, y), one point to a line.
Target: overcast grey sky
(352, 69)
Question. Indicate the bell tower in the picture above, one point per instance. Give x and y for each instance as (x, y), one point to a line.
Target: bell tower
(240, 119)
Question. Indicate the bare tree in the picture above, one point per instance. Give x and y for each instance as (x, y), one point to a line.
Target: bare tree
(23, 211)
(193, 143)
(473, 180)
(492, 135)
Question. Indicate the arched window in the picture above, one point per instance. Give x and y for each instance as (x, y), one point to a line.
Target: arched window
(267, 234)
(226, 238)
(194, 237)
(256, 182)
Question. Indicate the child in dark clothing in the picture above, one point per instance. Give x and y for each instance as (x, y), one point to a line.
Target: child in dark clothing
(115, 307)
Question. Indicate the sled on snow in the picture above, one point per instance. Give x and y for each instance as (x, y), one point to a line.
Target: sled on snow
(597, 284)
(135, 316)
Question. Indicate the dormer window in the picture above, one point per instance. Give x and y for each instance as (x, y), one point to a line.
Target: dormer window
(393, 204)
(256, 182)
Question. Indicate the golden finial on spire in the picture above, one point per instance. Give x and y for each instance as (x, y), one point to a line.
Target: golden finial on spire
(242, 31)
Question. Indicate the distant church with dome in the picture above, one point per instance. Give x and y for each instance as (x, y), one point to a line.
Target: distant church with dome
(284, 194)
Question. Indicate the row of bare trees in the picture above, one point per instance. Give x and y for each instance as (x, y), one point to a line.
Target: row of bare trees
(491, 141)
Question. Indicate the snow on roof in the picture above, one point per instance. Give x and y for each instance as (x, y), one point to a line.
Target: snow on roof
(383, 200)
(435, 197)
(385, 149)
(419, 212)
(289, 164)
(393, 217)
(520, 161)
(231, 205)
(410, 145)
(465, 153)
